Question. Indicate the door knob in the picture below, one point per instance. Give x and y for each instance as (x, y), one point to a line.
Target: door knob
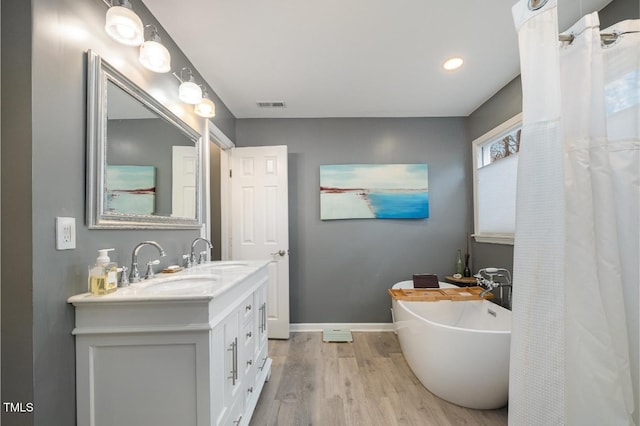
(280, 253)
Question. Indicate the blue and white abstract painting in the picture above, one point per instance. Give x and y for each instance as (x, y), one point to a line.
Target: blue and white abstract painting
(130, 189)
(377, 191)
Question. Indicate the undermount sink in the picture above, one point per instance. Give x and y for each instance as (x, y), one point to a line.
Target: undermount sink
(180, 284)
(226, 265)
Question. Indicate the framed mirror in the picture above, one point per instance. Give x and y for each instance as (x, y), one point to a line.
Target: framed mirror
(143, 162)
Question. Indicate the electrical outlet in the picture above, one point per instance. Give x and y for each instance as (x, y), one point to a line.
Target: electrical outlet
(65, 233)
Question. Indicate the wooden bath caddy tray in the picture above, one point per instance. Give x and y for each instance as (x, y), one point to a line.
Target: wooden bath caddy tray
(435, 294)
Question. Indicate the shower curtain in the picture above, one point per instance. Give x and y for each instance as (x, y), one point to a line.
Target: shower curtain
(575, 331)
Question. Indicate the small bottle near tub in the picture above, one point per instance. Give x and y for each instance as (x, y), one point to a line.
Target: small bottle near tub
(459, 267)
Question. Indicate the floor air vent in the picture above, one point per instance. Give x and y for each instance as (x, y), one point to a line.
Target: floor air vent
(336, 335)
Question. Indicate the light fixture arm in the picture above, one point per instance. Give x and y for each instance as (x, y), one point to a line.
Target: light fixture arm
(190, 73)
(123, 3)
(205, 94)
(154, 36)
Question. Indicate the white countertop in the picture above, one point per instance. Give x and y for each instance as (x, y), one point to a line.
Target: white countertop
(206, 281)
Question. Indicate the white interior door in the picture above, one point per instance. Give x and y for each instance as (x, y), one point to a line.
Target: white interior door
(183, 183)
(260, 223)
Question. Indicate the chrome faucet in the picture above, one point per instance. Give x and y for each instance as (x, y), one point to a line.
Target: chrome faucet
(203, 254)
(134, 277)
(485, 279)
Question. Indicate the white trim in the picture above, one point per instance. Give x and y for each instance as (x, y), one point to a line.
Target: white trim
(219, 137)
(494, 238)
(354, 326)
(205, 231)
(225, 204)
(512, 122)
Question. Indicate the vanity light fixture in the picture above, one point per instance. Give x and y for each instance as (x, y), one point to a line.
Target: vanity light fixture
(453, 63)
(206, 108)
(123, 24)
(153, 55)
(189, 92)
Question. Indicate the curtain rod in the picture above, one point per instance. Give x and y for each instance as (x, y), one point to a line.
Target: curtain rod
(605, 37)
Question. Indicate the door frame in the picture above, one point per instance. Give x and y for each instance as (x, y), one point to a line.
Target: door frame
(225, 144)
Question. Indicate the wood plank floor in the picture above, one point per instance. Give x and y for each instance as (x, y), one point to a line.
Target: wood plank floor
(364, 383)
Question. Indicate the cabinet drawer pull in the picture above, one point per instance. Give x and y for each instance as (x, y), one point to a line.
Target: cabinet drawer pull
(249, 334)
(234, 361)
(264, 361)
(262, 325)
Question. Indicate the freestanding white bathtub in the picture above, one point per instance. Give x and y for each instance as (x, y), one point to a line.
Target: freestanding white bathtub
(458, 350)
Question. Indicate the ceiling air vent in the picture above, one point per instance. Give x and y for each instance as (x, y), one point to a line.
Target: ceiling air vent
(276, 104)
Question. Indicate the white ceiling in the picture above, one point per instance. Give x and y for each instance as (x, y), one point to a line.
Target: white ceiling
(351, 58)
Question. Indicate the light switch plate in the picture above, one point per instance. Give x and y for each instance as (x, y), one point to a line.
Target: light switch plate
(65, 233)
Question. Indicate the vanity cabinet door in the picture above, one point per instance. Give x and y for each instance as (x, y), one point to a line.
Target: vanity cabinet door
(227, 347)
(218, 352)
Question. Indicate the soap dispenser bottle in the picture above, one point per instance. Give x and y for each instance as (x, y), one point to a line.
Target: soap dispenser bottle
(103, 276)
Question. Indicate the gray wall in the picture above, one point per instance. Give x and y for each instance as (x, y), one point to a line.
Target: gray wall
(17, 309)
(501, 107)
(619, 10)
(340, 270)
(215, 197)
(43, 176)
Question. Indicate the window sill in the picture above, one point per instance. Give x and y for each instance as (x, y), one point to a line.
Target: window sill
(494, 238)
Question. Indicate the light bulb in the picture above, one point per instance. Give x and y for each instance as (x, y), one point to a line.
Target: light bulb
(155, 57)
(190, 93)
(452, 64)
(206, 108)
(124, 26)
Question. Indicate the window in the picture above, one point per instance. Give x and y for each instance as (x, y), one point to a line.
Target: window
(495, 165)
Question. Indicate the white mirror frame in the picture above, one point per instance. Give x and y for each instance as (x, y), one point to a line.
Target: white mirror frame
(98, 73)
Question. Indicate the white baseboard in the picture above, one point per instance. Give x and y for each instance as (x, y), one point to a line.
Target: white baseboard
(305, 327)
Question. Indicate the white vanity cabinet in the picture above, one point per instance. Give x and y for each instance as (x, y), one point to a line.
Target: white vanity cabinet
(168, 357)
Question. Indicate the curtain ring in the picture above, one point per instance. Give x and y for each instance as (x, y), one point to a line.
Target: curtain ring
(536, 4)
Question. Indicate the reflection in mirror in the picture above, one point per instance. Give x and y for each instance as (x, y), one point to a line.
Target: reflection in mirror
(143, 160)
(150, 163)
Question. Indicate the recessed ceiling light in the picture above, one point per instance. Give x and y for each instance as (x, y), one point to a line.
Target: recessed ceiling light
(452, 64)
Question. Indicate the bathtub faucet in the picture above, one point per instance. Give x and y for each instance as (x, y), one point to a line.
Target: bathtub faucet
(486, 280)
